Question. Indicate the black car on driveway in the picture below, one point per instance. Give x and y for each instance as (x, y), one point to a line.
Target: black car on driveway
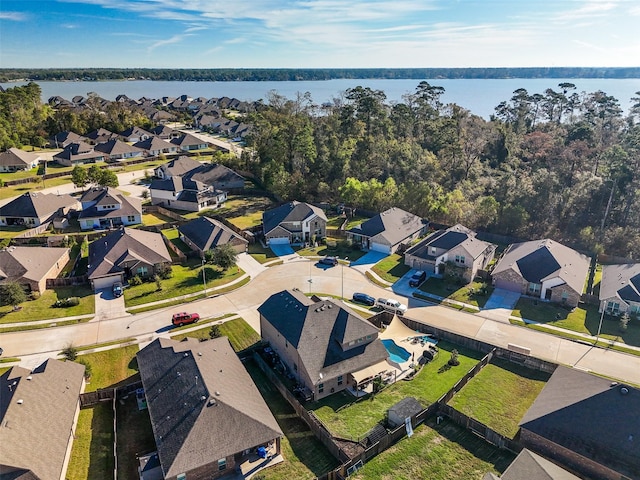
(364, 298)
(417, 278)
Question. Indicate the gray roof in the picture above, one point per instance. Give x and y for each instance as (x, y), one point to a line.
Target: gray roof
(540, 260)
(202, 403)
(15, 156)
(318, 329)
(622, 281)
(100, 134)
(135, 132)
(407, 407)
(62, 139)
(179, 166)
(531, 466)
(188, 139)
(154, 143)
(34, 433)
(393, 226)
(290, 212)
(125, 244)
(37, 205)
(116, 147)
(214, 173)
(109, 196)
(208, 233)
(447, 239)
(31, 263)
(590, 415)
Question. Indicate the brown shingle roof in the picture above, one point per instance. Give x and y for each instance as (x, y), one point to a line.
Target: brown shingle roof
(15, 156)
(31, 263)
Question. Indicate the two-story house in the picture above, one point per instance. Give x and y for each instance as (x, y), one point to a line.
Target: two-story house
(183, 194)
(294, 223)
(620, 289)
(106, 207)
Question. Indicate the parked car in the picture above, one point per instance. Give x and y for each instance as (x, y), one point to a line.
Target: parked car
(391, 305)
(117, 289)
(184, 318)
(417, 278)
(329, 261)
(364, 298)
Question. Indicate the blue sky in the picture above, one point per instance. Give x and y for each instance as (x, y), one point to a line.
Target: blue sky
(318, 33)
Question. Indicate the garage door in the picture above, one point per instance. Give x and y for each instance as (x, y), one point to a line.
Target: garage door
(506, 285)
(279, 241)
(378, 247)
(105, 282)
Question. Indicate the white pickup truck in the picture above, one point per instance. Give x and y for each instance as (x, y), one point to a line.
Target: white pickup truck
(391, 305)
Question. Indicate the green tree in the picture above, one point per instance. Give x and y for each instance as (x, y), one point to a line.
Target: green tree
(70, 352)
(214, 331)
(12, 293)
(108, 179)
(79, 177)
(224, 256)
(94, 174)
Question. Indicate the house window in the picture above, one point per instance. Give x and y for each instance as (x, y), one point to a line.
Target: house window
(433, 250)
(534, 288)
(222, 464)
(634, 309)
(613, 307)
(565, 296)
(339, 379)
(181, 476)
(460, 259)
(143, 271)
(131, 218)
(320, 387)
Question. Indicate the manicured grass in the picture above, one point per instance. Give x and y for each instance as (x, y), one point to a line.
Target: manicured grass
(247, 221)
(437, 452)
(335, 222)
(185, 280)
(154, 219)
(239, 332)
(240, 210)
(597, 278)
(92, 452)
(110, 367)
(11, 231)
(391, 268)
(341, 250)
(500, 395)
(41, 309)
(135, 436)
(173, 235)
(373, 279)
(13, 190)
(8, 177)
(355, 221)
(470, 294)
(305, 456)
(347, 419)
(262, 255)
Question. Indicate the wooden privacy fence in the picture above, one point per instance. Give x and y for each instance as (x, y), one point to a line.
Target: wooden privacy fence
(67, 281)
(93, 398)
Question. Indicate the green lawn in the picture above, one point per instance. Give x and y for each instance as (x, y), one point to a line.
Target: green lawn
(185, 280)
(437, 452)
(240, 210)
(8, 177)
(239, 332)
(12, 231)
(262, 255)
(391, 268)
(135, 436)
(500, 395)
(13, 190)
(92, 452)
(340, 250)
(149, 219)
(305, 456)
(353, 420)
(41, 309)
(471, 294)
(110, 367)
(597, 278)
(173, 235)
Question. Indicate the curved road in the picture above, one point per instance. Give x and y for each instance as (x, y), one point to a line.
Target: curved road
(296, 273)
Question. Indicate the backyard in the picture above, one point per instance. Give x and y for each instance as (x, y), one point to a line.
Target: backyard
(475, 293)
(346, 418)
(242, 211)
(135, 436)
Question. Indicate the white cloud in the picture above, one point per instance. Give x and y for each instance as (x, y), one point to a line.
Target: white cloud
(13, 16)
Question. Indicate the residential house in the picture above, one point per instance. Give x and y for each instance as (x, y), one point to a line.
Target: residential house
(325, 345)
(294, 223)
(189, 143)
(116, 150)
(206, 413)
(33, 209)
(216, 175)
(388, 230)
(62, 139)
(176, 167)
(184, 194)
(106, 207)
(620, 289)
(457, 245)
(589, 424)
(544, 269)
(32, 266)
(164, 132)
(78, 154)
(154, 146)
(531, 466)
(39, 412)
(205, 233)
(134, 134)
(100, 135)
(15, 160)
(125, 253)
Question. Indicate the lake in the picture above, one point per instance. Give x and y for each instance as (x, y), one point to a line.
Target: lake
(480, 96)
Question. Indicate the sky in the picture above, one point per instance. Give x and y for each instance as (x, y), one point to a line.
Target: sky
(319, 33)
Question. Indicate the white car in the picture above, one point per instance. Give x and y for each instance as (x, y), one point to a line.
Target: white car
(392, 305)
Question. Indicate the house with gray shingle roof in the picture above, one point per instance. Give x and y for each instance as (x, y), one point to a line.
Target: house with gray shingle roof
(154, 146)
(14, 160)
(62, 139)
(543, 269)
(325, 345)
(164, 132)
(176, 167)
(388, 230)
(531, 466)
(205, 233)
(294, 223)
(620, 289)
(100, 135)
(34, 209)
(125, 253)
(32, 266)
(206, 413)
(184, 194)
(78, 153)
(134, 134)
(106, 207)
(116, 150)
(588, 424)
(38, 416)
(216, 175)
(455, 244)
(189, 143)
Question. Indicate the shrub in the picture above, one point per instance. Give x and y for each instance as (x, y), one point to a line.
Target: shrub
(134, 281)
(87, 368)
(67, 302)
(35, 295)
(70, 353)
(454, 361)
(164, 271)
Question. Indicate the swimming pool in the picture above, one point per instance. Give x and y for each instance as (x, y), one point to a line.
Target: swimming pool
(396, 353)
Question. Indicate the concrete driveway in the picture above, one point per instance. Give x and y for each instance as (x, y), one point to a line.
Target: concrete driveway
(282, 249)
(500, 305)
(108, 306)
(250, 265)
(368, 260)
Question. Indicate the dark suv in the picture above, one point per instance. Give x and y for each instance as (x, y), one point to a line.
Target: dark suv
(417, 278)
(117, 289)
(364, 298)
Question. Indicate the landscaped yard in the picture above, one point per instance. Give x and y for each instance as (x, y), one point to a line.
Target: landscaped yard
(135, 437)
(173, 235)
(13, 190)
(334, 248)
(305, 456)
(261, 254)
(239, 332)
(42, 309)
(500, 395)
(185, 280)
(437, 452)
(149, 219)
(11, 231)
(92, 452)
(391, 268)
(347, 419)
(111, 367)
(476, 293)
(242, 211)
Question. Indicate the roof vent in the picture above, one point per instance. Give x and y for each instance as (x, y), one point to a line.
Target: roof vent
(624, 390)
(199, 354)
(212, 402)
(179, 374)
(20, 401)
(186, 354)
(203, 398)
(613, 384)
(217, 393)
(29, 377)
